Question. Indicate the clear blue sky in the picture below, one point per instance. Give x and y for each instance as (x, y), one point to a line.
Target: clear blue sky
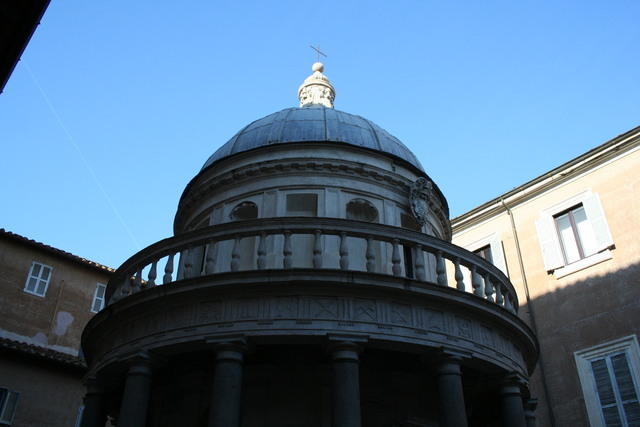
(116, 105)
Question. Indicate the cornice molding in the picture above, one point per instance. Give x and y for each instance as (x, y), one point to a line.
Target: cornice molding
(622, 144)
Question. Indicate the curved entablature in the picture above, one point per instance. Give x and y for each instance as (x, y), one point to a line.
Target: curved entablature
(307, 303)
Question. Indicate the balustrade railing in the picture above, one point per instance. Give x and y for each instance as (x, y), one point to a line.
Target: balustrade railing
(263, 244)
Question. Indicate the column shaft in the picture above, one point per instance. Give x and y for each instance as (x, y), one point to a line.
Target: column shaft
(93, 414)
(137, 390)
(346, 386)
(227, 387)
(512, 410)
(451, 394)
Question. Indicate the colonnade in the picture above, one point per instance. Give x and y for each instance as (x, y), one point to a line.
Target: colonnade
(227, 386)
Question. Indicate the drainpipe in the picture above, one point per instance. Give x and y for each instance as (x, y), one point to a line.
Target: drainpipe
(534, 326)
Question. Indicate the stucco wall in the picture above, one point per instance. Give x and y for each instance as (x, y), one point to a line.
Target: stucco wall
(583, 308)
(55, 320)
(49, 396)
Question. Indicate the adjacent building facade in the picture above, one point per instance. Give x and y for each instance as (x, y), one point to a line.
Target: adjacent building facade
(569, 241)
(47, 296)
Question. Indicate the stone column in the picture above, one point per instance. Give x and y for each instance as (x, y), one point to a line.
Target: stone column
(227, 385)
(346, 384)
(93, 414)
(451, 395)
(530, 412)
(137, 390)
(511, 408)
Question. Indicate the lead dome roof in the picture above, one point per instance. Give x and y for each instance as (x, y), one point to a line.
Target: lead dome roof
(314, 123)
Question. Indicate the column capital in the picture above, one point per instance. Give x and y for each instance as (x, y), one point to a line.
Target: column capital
(513, 383)
(230, 350)
(140, 363)
(345, 346)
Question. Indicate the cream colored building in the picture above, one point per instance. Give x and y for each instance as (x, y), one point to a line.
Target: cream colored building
(569, 240)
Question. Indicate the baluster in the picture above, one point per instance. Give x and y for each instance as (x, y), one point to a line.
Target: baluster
(235, 255)
(458, 275)
(262, 251)
(441, 269)
(186, 255)
(210, 261)
(138, 280)
(420, 273)
(317, 249)
(168, 270)
(508, 302)
(499, 297)
(151, 277)
(395, 258)
(370, 255)
(344, 252)
(287, 261)
(488, 287)
(127, 286)
(476, 281)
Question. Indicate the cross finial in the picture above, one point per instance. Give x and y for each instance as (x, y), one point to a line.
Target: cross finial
(318, 52)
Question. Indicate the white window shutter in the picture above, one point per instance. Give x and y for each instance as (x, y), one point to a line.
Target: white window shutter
(548, 237)
(498, 255)
(595, 215)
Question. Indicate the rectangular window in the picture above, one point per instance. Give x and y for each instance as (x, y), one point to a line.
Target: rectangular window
(609, 378)
(303, 204)
(576, 234)
(485, 252)
(98, 298)
(8, 402)
(38, 279)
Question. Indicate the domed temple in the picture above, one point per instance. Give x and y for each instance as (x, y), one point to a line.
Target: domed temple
(310, 282)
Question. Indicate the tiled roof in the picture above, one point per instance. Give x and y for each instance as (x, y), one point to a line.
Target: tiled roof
(42, 353)
(55, 251)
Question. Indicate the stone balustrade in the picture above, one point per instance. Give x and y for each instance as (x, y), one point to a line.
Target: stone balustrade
(360, 246)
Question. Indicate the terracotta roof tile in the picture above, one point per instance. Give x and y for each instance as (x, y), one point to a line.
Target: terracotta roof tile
(56, 251)
(42, 353)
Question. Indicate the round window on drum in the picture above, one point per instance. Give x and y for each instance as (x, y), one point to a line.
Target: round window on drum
(244, 210)
(362, 210)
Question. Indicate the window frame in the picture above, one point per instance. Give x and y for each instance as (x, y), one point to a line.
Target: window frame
(38, 279)
(552, 251)
(583, 359)
(281, 208)
(575, 232)
(95, 297)
(3, 407)
(494, 243)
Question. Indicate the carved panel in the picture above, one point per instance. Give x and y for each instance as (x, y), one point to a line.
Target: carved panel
(401, 314)
(324, 307)
(365, 310)
(284, 307)
(464, 328)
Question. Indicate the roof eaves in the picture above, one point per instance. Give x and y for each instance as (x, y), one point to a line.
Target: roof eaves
(55, 251)
(541, 183)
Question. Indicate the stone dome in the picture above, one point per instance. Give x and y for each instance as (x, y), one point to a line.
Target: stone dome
(314, 123)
